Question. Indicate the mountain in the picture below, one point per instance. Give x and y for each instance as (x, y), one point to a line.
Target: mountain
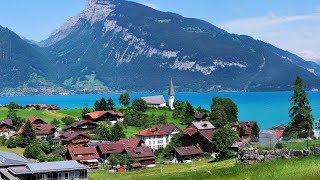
(128, 46)
(23, 68)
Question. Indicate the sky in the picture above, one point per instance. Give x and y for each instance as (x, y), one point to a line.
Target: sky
(292, 25)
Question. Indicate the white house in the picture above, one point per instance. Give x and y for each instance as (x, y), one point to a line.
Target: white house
(155, 101)
(170, 129)
(154, 138)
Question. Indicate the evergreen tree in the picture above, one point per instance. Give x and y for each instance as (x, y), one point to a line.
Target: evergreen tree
(218, 116)
(223, 138)
(13, 116)
(28, 135)
(110, 104)
(103, 105)
(189, 111)
(255, 130)
(124, 99)
(96, 106)
(104, 133)
(84, 111)
(300, 111)
(230, 108)
(117, 132)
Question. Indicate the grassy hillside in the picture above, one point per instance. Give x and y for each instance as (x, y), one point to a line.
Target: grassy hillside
(301, 168)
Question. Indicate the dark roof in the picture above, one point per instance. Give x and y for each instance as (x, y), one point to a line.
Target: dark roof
(201, 125)
(200, 115)
(11, 159)
(207, 133)
(44, 167)
(130, 142)
(69, 136)
(189, 150)
(141, 153)
(8, 122)
(78, 123)
(151, 100)
(171, 89)
(168, 128)
(113, 148)
(32, 119)
(246, 125)
(43, 129)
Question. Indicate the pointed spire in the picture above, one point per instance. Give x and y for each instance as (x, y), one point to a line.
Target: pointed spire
(171, 89)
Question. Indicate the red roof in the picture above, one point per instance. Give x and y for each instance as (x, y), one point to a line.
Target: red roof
(189, 131)
(98, 114)
(68, 136)
(245, 125)
(83, 153)
(40, 129)
(130, 142)
(114, 148)
(151, 132)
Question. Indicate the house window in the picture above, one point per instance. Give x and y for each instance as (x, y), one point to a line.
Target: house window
(160, 137)
(63, 175)
(160, 146)
(160, 141)
(79, 155)
(154, 142)
(149, 142)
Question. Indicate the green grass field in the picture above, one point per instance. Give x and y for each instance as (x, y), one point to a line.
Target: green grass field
(302, 144)
(300, 168)
(168, 114)
(17, 150)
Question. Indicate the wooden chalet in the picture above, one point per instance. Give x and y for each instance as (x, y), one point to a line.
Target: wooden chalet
(72, 139)
(105, 150)
(130, 142)
(98, 116)
(7, 129)
(84, 155)
(201, 139)
(80, 126)
(200, 116)
(41, 128)
(42, 107)
(245, 125)
(187, 153)
(143, 155)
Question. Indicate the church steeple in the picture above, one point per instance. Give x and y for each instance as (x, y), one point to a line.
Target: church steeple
(171, 95)
(171, 89)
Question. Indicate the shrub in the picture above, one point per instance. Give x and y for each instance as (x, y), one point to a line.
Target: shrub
(11, 143)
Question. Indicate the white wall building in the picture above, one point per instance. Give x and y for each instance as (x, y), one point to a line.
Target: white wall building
(155, 101)
(154, 138)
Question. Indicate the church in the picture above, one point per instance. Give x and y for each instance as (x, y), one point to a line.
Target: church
(159, 100)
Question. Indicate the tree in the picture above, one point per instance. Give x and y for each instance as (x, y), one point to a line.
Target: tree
(96, 105)
(218, 117)
(104, 133)
(84, 111)
(11, 143)
(124, 99)
(189, 111)
(241, 132)
(139, 105)
(223, 138)
(300, 111)
(113, 160)
(55, 122)
(117, 132)
(161, 120)
(103, 105)
(27, 136)
(110, 104)
(255, 129)
(13, 105)
(67, 120)
(230, 108)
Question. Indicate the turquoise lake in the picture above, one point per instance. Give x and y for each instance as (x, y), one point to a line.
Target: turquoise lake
(267, 108)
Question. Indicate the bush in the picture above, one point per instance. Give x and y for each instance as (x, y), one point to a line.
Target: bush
(68, 120)
(51, 158)
(279, 145)
(11, 143)
(41, 157)
(313, 137)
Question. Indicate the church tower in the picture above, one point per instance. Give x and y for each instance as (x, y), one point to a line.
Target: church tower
(171, 95)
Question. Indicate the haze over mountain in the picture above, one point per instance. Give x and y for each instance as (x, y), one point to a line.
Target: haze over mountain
(117, 45)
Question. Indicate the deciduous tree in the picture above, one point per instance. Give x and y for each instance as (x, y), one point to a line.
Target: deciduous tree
(124, 99)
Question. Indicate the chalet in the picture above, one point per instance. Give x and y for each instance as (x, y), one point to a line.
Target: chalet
(130, 142)
(170, 129)
(200, 116)
(155, 101)
(41, 128)
(201, 125)
(72, 139)
(202, 138)
(7, 129)
(143, 155)
(245, 125)
(95, 143)
(187, 153)
(105, 150)
(80, 126)
(279, 131)
(66, 170)
(111, 116)
(154, 138)
(42, 107)
(85, 155)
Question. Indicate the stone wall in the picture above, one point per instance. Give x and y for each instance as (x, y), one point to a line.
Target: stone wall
(251, 156)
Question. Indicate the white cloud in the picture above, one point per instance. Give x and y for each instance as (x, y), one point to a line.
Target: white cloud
(150, 4)
(310, 55)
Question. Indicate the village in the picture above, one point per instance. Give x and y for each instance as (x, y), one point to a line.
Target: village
(104, 138)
